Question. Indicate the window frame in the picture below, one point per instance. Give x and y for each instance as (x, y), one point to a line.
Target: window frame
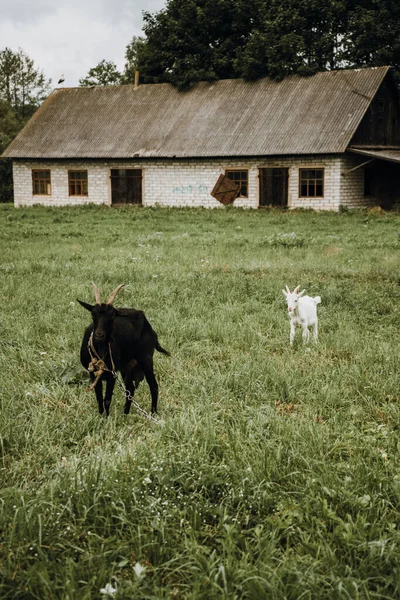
(316, 182)
(38, 180)
(79, 184)
(380, 109)
(241, 181)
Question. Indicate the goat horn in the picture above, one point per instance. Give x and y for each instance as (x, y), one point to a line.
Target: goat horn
(96, 293)
(296, 290)
(115, 292)
(287, 289)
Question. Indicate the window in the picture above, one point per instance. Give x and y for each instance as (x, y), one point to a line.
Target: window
(41, 183)
(77, 183)
(311, 183)
(241, 178)
(380, 109)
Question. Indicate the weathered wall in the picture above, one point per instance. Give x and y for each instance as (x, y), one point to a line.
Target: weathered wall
(386, 187)
(98, 183)
(352, 183)
(331, 166)
(189, 183)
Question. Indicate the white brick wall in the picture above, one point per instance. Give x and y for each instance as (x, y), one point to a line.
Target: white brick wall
(189, 183)
(98, 183)
(352, 183)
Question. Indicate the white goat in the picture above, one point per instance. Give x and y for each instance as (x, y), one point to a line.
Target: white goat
(303, 312)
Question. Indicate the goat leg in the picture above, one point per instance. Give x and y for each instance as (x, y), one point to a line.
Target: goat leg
(97, 385)
(147, 367)
(110, 383)
(130, 375)
(306, 334)
(292, 332)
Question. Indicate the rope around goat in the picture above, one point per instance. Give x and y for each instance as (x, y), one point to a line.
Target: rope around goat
(97, 366)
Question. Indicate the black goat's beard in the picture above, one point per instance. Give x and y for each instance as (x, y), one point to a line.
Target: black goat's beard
(101, 347)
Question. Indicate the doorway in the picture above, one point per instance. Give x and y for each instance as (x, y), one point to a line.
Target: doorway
(126, 186)
(274, 187)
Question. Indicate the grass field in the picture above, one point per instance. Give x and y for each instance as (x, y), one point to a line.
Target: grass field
(274, 472)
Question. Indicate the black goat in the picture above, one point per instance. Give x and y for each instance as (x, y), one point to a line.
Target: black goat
(119, 339)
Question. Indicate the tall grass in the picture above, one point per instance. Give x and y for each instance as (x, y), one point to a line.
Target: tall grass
(275, 470)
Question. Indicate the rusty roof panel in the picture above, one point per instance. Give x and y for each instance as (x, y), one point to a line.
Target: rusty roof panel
(299, 115)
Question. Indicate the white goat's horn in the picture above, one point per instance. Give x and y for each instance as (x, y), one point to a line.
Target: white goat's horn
(296, 290)
(115, 292)
(287, 289)
(96, 293)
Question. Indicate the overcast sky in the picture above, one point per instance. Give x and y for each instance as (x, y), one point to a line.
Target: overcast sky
(70, 36)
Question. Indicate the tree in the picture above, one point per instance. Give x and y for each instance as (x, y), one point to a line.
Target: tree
(373, 34)
(193, 40)
(294, 36)
(23, 88)
(132, 57)
(105, 73)
(10, 124)
(22, 85)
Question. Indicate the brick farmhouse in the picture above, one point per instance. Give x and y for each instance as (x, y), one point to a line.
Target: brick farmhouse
(323, 142)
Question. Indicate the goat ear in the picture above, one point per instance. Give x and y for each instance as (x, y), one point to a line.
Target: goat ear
(301, 293)
(85, 305)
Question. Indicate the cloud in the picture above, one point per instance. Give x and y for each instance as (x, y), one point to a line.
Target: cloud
(22, 11)
(70, 38)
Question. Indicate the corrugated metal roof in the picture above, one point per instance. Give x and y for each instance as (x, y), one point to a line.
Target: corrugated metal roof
(299, 115)
(387, 154)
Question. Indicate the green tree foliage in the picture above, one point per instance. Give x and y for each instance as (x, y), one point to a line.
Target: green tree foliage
(22, 85)
(373, 34)
(193, 40)
(10, 124)
(132, 54)
(294, 36)
(105, 73)
(23, 88)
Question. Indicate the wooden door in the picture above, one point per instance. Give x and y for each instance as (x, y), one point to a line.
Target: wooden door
(274, 187)
(126, 186)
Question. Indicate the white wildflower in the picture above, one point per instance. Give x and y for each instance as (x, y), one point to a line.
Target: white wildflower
(108, 590)
(139, 570)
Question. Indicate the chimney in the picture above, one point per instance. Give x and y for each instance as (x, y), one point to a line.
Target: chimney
(136, 84)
